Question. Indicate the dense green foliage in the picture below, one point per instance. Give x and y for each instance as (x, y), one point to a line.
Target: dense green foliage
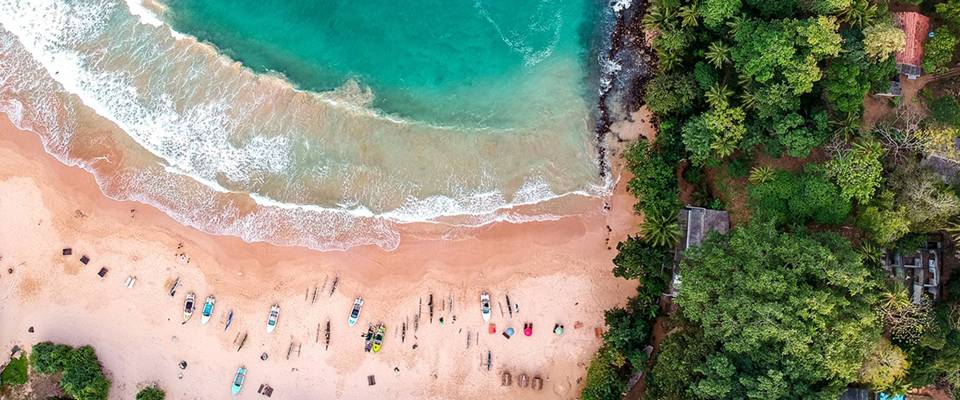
(672, 93)
(638, 260)
(772, 310)
(858, 170)
(774, 315)
(15, 373)
(938, 51)
(945, 110)
(654, 182)
(151, 393)
(798, 199)
(49, 358)
(82, 377)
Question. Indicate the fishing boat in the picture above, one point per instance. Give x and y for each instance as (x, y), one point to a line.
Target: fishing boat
(378, 338)
(238, 380)
(355, 313)
(189, 305)
(273, 317)
(368, 339)
(207, 309)
(229, 320)
(174, 287)
(485, 306)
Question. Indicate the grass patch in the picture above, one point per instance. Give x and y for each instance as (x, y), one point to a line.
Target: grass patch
(15, 372)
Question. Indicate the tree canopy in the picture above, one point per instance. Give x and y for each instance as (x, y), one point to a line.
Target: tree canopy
(776, 315)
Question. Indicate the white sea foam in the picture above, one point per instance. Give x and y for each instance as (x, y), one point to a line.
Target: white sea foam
(620, 5)
(143, 13)
(196, 147)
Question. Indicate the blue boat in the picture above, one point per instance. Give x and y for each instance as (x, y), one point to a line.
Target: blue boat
(207, 309)
(238, 380)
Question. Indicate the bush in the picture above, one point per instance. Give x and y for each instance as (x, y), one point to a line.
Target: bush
(49, 358)
(151, 393)
(15, 373)
(798, 199)
(82, 377)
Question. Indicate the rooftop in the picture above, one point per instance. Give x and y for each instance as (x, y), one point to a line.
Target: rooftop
(915, 26)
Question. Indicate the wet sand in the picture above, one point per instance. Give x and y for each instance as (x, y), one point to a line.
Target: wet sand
(556, 271)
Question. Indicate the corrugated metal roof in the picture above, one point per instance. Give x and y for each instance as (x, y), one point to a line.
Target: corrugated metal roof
(915, 26)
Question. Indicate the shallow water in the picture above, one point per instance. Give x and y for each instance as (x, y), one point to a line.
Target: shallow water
(345, 118)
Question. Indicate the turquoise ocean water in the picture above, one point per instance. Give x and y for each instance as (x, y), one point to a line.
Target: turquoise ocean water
(326, 124)
(460, 62)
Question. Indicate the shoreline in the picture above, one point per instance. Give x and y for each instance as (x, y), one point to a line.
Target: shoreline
(559, 271)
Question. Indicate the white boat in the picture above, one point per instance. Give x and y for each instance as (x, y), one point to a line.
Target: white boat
(355, 313)
(207, 309)
(485, 305)
(189, 305)
(273, 317)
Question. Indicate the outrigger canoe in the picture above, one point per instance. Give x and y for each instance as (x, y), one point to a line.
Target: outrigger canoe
(273, 317)
(189, 305)
(378, 338)
(485, 306)
(355, 313)
(238, 380)
(229, 320)
(207, 309)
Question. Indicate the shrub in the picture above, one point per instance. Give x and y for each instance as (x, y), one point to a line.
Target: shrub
(82, 376)
(15, 373)
(151, 393)
(49, 358)
(798, 198)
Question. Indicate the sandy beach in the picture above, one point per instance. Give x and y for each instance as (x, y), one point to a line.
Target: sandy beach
(556, 272)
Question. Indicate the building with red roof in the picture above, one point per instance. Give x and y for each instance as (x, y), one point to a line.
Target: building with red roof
(916, 26)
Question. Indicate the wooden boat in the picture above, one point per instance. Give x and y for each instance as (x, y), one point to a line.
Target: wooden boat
(207, 311)
(368, 339)
(485, 306)
(229, 320)
(273, 317)
(174, 287)
(238, 380)
(355, 313)
(189, 305)
(378, 338)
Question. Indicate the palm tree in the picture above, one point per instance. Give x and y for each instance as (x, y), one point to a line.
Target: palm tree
(953, 229)
(688, 16)
(724, 145)
(848, 127)
(659, 17)
(748, 99)
(860, 13)
(868, 148)
(668, 60)
(761, 174)
(734, 24)
(895, 298)
(718, 54)
(718, 95)
(660, 230)
(871, 253)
